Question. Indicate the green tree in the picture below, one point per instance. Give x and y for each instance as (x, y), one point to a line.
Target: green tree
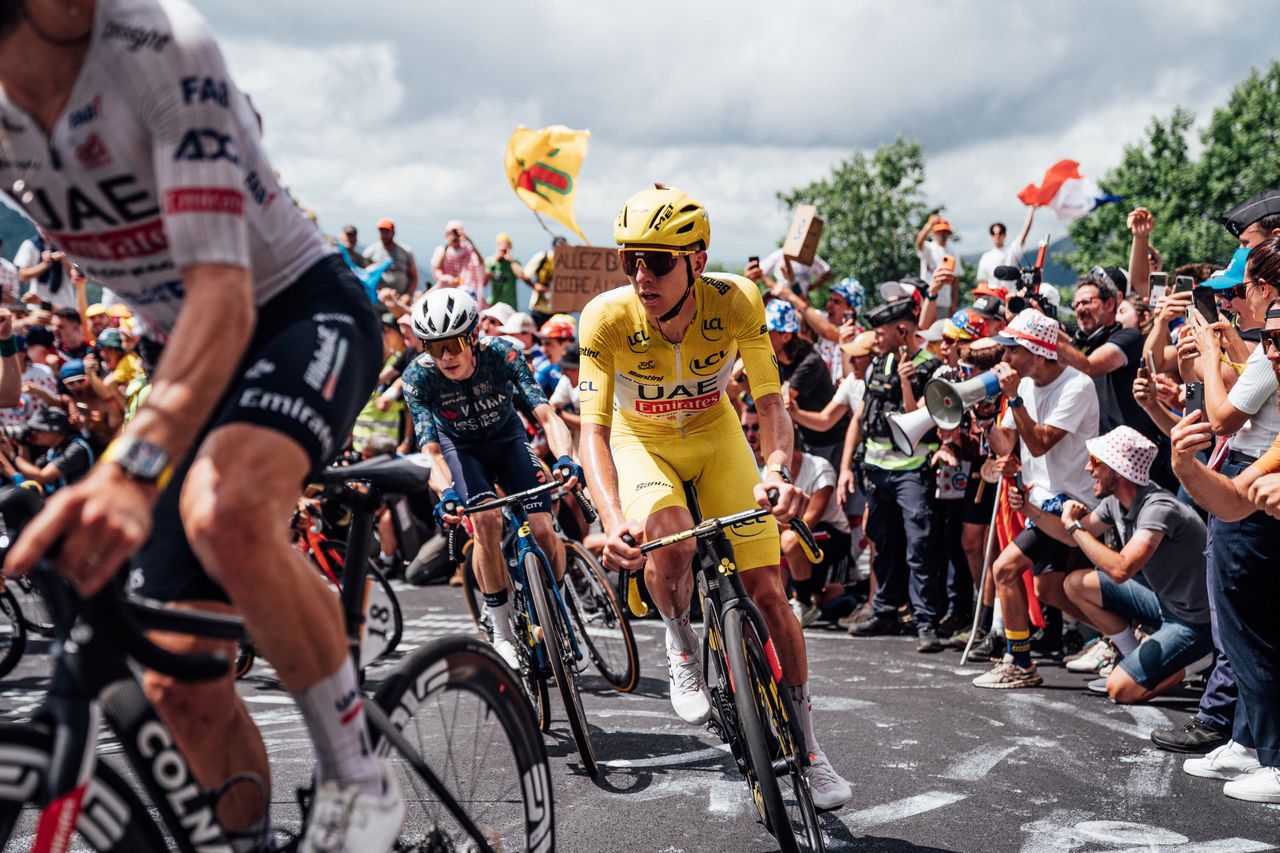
(1240, 157)
(872, 206)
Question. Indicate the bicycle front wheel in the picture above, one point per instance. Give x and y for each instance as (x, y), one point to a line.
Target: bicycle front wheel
(559, 650)
(772, 753)
(13, 633)
(600, 620)
(458, 706)
(35, 610)
(112, 819)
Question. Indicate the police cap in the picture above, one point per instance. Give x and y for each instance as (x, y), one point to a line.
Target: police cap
(1249, 211)
(902, 308)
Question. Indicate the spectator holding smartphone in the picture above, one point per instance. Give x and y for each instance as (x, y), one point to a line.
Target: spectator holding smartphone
(931, 253)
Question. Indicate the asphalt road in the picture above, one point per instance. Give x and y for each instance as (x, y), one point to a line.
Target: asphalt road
(936, 764)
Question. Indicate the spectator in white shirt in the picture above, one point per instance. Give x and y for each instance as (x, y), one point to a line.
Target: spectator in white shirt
(801, 277)
(1000, 254)
(931, 254)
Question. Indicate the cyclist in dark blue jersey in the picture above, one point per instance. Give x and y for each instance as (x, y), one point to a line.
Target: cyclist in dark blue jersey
(462, 395)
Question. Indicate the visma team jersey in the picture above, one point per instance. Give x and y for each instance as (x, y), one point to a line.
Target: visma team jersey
(657, 387)
(155, 165)
(480, 407)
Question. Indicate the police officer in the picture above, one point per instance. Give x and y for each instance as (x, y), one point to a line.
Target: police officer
(899, 487)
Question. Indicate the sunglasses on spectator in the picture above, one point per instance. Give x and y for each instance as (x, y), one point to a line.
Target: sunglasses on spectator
(657, 261)
(1086, 301)
(449, 346)
(1271, 339)
(756, 427)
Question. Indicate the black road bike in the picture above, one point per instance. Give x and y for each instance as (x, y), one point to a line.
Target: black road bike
(447, 704)
(751, 707)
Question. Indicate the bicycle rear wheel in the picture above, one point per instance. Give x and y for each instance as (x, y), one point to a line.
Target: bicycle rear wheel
(384, 621)
(556, 642)
(112, 818)
(787, 810)
(601, 623)
(13, 633)
(535, 688)
(457, 704)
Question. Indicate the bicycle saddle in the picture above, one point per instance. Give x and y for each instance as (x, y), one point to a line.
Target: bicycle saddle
(401, 475)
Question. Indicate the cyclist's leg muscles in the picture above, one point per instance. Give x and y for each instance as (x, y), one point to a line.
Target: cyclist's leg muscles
(474, 483)
(651, 489)
(517, 469)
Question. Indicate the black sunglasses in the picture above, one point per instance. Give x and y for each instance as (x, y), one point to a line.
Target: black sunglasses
(657, 261)
(1271, 339)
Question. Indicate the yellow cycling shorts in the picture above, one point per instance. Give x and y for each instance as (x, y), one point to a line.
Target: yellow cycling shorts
(719, 462)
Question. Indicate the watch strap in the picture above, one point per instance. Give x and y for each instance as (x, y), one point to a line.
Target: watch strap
(781, 470)
(120, 452)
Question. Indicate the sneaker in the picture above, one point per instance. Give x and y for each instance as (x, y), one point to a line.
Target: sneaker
(809, 615)
(828, 788)
(877, 624)
(1007, 675)
(1195, 736)
(1098, 685)
(1227, 762)
(927, 641)
(1259, 786)
(961, 639)
(689, 695)
(952, 622)
(1093, 658)
(992, 647)
(508, 652)
(798, 609)
(858, 615)
(1106, 669)
(347, 820)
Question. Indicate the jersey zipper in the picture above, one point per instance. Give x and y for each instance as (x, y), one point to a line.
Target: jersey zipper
(679, 381)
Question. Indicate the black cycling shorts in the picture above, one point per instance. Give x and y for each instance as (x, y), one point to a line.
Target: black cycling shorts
(979, 499)
(309, 369)
(504, 458)
(1048, 554)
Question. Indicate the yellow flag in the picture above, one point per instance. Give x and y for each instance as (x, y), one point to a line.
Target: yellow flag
(542, 167)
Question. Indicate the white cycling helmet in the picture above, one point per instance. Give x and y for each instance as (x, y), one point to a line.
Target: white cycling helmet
(444, 313)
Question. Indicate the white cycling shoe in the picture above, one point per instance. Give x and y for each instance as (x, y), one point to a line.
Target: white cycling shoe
(348, 820)
(508, 652)
(827, 787)
(689, 695)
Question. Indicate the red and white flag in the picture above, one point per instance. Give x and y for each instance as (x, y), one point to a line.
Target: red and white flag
(1065, 191)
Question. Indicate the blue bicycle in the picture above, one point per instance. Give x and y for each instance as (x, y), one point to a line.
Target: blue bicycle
(548, 647)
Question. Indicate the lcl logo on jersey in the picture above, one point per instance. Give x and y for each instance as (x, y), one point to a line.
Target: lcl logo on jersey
(638, 342)
(713, 329)
(709, 365)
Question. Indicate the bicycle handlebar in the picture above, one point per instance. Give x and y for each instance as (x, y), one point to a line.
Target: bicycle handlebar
(106, 614)
(710, 527)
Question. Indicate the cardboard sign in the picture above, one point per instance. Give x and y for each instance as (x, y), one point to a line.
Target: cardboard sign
(582, 272)
(801, 244)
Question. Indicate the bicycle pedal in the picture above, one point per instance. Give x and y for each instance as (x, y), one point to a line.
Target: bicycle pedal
(781, 767)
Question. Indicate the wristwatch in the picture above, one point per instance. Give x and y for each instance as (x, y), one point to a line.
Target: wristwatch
(1015, 402)
(782, 471)
(141, 460)
(1073, 529)
(932, 297)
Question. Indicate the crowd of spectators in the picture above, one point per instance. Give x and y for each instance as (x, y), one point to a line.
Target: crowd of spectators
(1105, 500)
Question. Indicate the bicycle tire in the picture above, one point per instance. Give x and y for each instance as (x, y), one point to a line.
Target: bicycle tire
(768, 736)
(601, 621)
(476, 675)
(336, 554)
(35, 610)
(112, 817)
(13, 633)
(555, 641)
(246, 654)
(535, 688)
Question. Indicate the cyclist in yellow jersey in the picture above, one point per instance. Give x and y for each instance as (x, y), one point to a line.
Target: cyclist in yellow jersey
(656, 359)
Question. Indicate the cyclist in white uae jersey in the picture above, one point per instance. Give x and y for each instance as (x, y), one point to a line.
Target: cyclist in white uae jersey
(124, 137)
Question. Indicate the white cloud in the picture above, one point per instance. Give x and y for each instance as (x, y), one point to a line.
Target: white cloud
(402, 110)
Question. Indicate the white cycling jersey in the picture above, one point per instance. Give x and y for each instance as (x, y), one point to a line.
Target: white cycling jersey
(156, 165)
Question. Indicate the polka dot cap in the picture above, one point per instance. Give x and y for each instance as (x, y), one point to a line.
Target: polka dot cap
(1127, 452)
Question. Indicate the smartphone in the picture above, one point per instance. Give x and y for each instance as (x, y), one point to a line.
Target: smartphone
(754, 259)
(948, 263)
(1206, 302)
(848, 316)
(1149, 361)
(1184, 284)
(1195, 398)
(1160, 280)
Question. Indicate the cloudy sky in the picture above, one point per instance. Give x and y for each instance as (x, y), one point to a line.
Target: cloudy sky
(404, 108)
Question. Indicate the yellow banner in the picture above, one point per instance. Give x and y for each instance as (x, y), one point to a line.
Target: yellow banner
(542, 168)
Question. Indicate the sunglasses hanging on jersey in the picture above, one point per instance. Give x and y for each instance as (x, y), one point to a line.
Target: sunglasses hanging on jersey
(657, 261)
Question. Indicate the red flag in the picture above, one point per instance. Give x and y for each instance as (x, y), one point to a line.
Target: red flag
(1057, 174)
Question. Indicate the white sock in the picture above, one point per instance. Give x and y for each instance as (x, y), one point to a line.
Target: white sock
(803, 704)
(333, 710)
(502, 627)
(997, 619)
(680, 634)
(1124, 641)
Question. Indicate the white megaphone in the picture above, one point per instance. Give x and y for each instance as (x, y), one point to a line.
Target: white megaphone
(907, 428)
(947, 401)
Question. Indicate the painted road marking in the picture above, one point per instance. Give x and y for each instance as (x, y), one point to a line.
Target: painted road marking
(977, 763)
(860, 821)
(1080, 714)
(668, 760)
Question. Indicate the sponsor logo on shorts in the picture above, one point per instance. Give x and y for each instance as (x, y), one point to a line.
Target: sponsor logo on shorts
(294, 408)
(323, 372)
(652, 484)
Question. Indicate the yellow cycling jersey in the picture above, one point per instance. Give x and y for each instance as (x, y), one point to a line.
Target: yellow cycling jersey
(656, 387)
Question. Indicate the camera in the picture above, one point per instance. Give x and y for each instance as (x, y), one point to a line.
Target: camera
(1025, 283)
(16, 433)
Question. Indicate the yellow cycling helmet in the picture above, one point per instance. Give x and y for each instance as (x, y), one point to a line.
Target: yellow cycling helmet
(662, 216)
